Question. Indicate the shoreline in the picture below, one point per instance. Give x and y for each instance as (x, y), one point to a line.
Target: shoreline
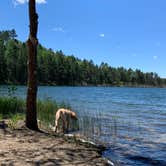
(21, 146)
(105, 86)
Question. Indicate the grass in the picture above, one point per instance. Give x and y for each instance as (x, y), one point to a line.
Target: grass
(1, 116)
(14, 108)
(92, 126)
(14, 119)
(10, 106)
(46, 110)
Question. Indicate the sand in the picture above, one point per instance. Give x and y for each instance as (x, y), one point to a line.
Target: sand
(24, 147)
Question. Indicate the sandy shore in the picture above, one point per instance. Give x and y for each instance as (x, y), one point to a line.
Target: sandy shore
(23, 147)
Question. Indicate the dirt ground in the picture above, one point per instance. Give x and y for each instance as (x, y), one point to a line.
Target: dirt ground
(23, 147)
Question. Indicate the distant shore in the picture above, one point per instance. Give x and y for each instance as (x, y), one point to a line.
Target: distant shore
(91, 85)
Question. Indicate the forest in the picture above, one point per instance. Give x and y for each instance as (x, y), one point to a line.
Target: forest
(56, 68)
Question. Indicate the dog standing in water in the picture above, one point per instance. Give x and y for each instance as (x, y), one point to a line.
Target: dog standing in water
(66, 116)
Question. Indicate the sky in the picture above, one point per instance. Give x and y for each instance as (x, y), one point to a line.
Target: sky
(128, 33)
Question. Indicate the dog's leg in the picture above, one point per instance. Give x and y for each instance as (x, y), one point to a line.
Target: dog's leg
(67, 127)
(56, 125)
(64, 125)
(68, 124)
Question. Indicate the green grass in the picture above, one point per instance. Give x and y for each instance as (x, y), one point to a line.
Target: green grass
(14, 119)
(9, 106)
(14, 108)
(89, 125)
(1, 116)
(46, 110)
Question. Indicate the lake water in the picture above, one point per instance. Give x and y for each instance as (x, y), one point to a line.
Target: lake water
(130, 121)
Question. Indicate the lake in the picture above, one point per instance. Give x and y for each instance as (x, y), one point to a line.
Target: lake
(130, 121)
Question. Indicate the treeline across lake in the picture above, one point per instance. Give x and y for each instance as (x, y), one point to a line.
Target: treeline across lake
(55, 68)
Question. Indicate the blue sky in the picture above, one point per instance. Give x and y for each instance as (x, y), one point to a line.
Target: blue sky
(128, 33)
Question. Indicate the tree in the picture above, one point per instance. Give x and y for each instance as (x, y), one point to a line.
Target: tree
(55, 68)
(2, 62)
(21, 69)
(11, 55)
(31, 111)
(12, 34)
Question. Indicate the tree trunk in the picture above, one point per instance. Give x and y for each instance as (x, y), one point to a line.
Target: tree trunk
(31, 111)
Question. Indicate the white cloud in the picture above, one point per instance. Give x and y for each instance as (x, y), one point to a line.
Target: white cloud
(102, 35)
(155, 57)
(58, 29)
(16, 2)
(41, 1)
(20, 1)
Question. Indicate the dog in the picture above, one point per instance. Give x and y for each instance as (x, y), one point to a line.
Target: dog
(65, 115)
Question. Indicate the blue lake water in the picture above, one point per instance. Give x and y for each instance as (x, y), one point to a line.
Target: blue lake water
(130, 121)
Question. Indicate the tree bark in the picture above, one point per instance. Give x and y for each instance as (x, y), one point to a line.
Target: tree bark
(31, 110)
